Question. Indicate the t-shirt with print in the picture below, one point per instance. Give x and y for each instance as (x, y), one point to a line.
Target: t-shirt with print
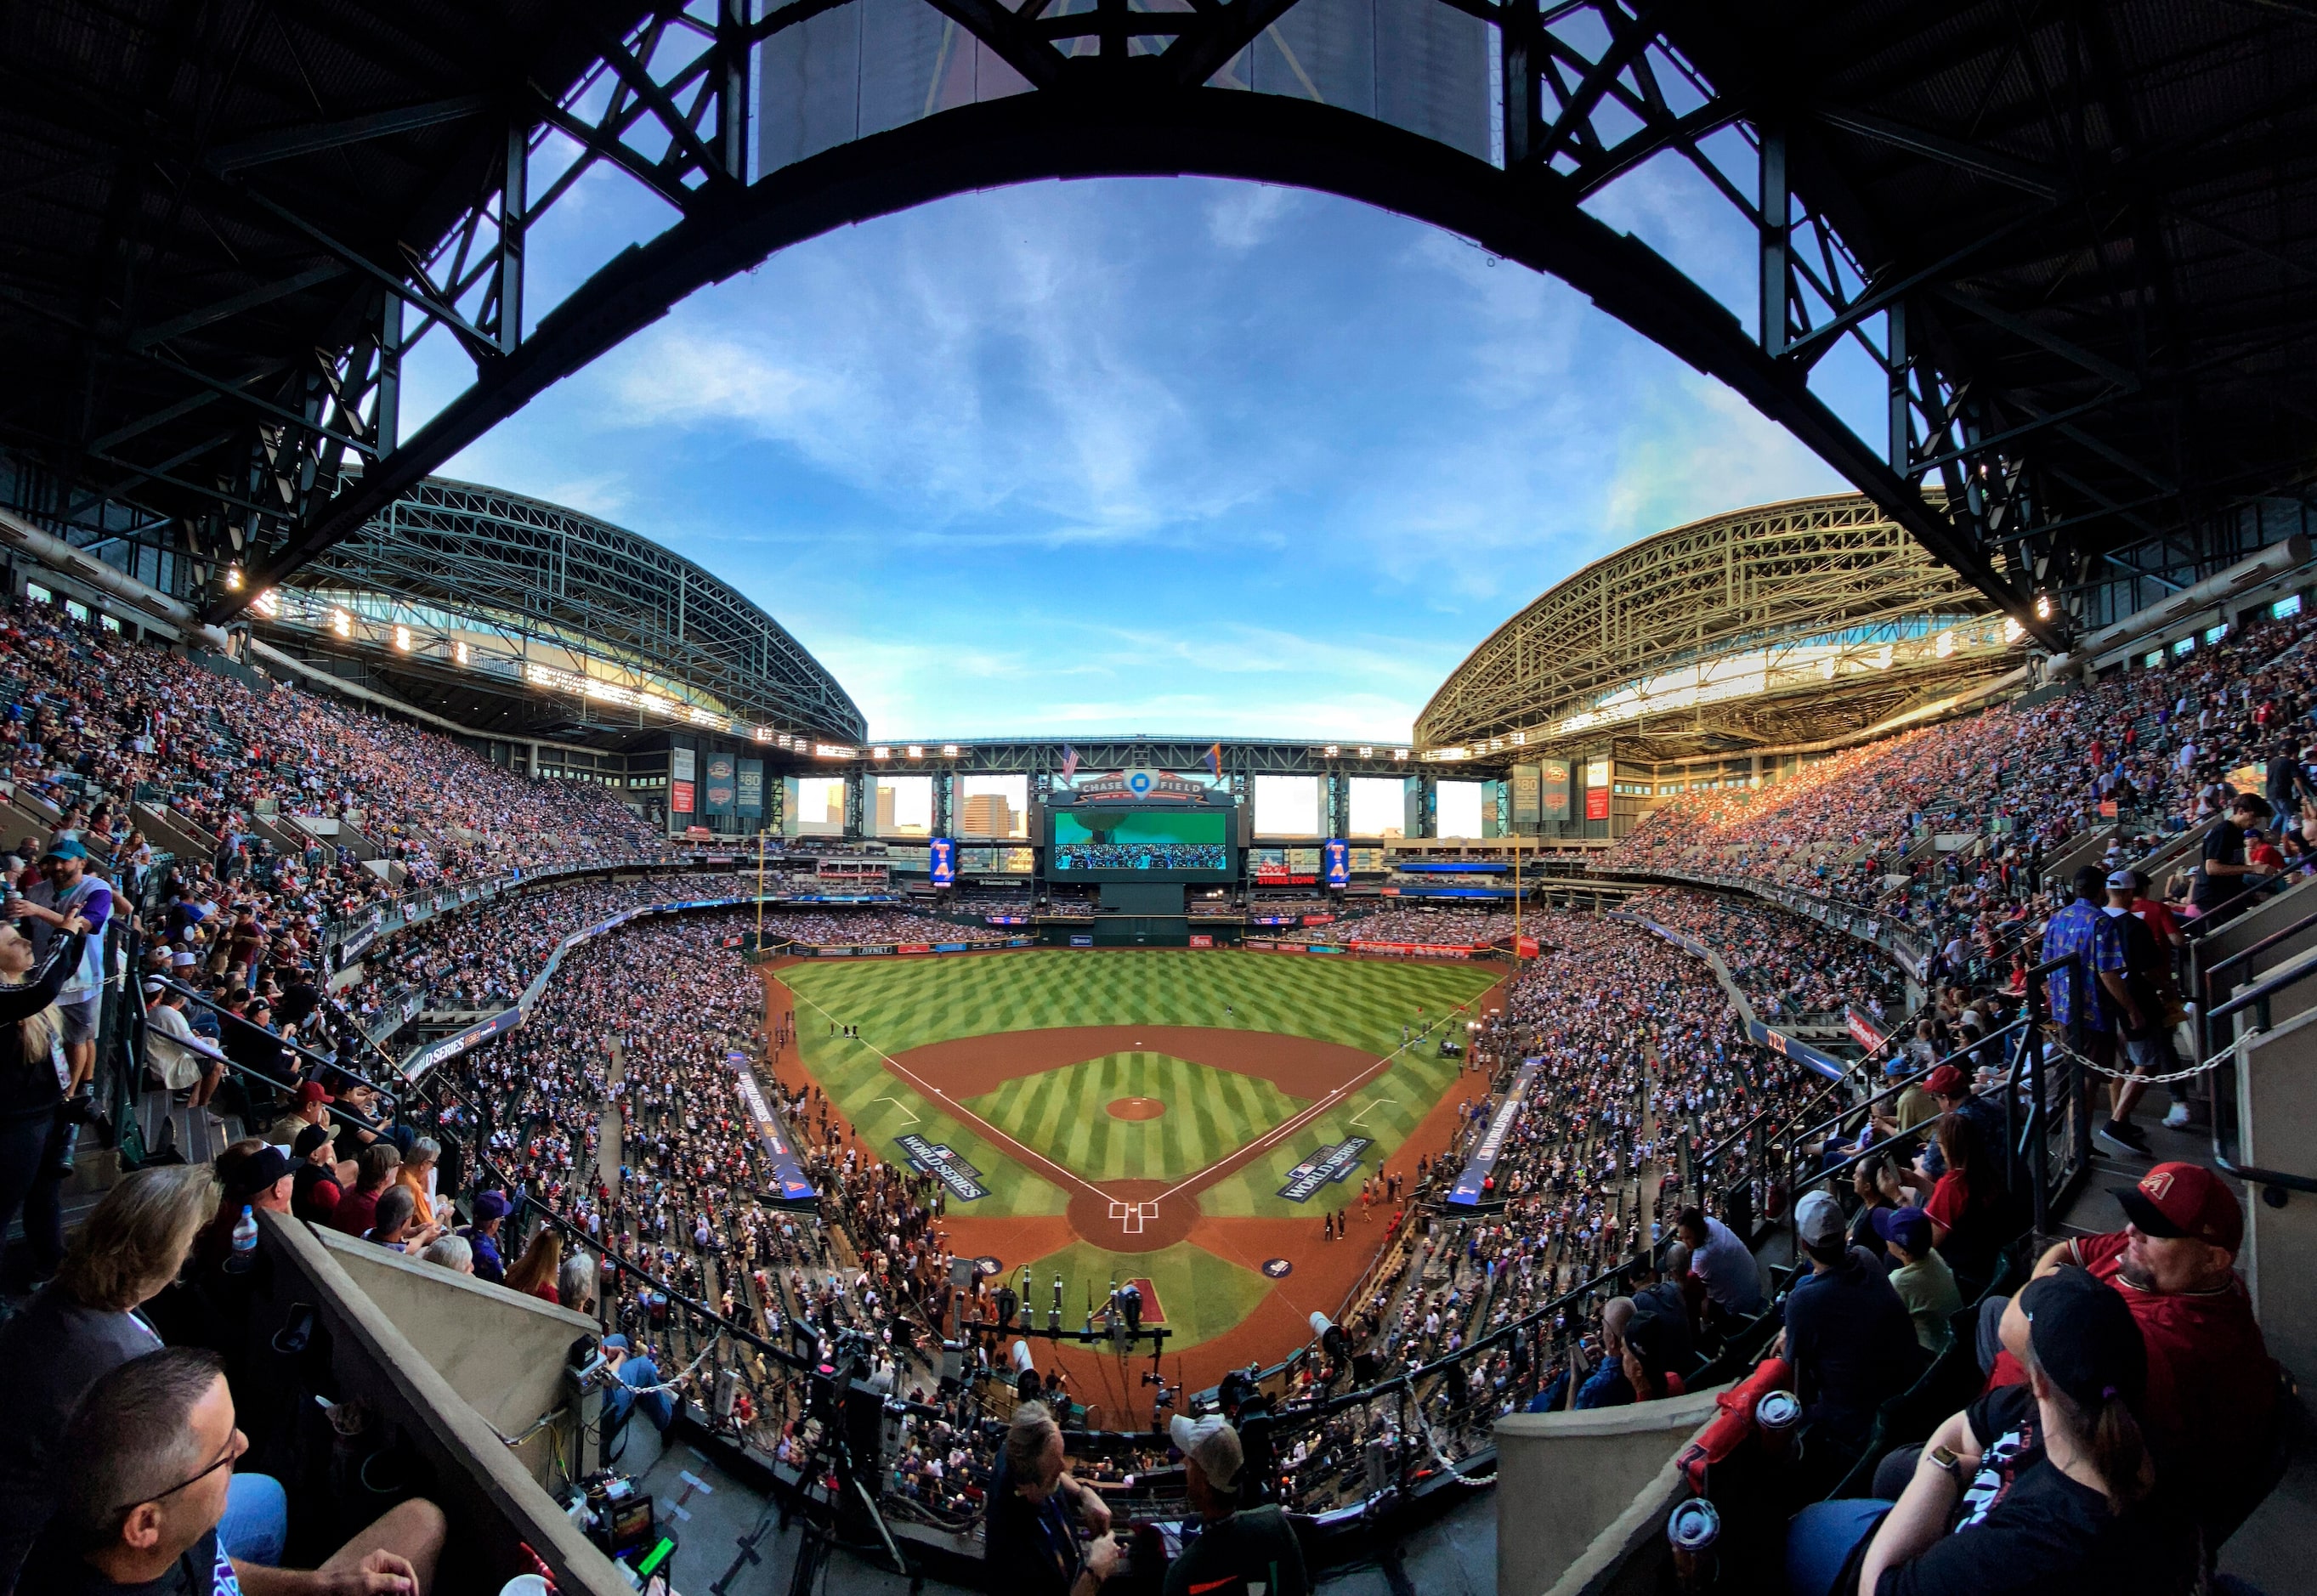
(2022, 1525)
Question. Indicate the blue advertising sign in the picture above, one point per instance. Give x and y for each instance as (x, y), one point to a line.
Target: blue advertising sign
(941, 859)
(752, 787)
(1474, 1179)
(723, 778)
(790, 1187)
(1335, 863)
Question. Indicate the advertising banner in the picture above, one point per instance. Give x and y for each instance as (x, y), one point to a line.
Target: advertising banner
(1474, 1179)
(1327, 1164)
(751, 790)
(1081, 941)
(1414, 950)
(1202, 940)
(680, 780)
(914, 948)
(723, 775)
(1528, 795)
(1335, 863)
(789, 1186)
(941, 861)
(1596, 803)
(1802, 1053)
(1862, 1029)
(1556, 788)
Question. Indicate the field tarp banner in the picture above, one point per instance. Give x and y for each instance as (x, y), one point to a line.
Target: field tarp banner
(1328, 1163)
(1474, 1179)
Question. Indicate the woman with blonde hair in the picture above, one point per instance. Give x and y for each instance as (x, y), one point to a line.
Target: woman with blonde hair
(536, 1272)
(84, 1325)
(32, 1117)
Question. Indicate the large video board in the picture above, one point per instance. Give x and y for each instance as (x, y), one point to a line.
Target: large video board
(1118, 842)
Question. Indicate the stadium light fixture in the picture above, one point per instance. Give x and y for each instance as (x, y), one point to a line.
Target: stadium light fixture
(402, 639)
(917, 750)
(2042, 606)
(949, 751)
(267, 604)
(1399, 753)
(763, 734)
(459, 651)
(881, 753)
(1330, 751)
(1367, 751)
(342, 623)
(233, 579)
(2012, 630)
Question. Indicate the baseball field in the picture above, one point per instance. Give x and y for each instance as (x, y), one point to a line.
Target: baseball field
(1181, 1119)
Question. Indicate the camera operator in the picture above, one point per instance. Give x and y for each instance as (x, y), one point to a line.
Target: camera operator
(1028, 1538)
(1236, 1551)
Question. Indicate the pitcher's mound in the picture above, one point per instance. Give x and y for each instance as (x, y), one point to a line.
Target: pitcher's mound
(1136, 1107)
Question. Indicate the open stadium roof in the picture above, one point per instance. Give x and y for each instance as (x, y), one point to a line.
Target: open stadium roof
(2078, 243)
(489, 604)
(1790, 624)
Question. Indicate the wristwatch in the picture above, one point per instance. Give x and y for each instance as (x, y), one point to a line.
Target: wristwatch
(1943, 1458)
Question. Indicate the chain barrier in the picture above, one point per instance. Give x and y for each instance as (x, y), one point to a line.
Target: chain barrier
(2061, 1049)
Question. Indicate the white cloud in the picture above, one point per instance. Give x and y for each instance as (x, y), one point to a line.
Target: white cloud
(1240, 216)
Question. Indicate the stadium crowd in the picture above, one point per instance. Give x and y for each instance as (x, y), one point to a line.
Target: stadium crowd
(1788, 967)
(1458, 928)
(2114, 1398)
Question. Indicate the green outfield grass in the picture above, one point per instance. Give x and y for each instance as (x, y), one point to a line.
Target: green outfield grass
(1201, 1295)
(903, 1003)
(1064, 1113)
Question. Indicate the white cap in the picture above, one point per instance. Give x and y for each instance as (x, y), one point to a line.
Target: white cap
(1818, 1220)
(2121, 881)
(1213, 1442)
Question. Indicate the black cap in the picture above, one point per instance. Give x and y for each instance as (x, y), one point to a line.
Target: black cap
(2085, 1338)
(255, 1173)
(309, 1139)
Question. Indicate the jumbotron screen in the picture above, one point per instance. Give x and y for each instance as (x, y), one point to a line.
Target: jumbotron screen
(1153, 844)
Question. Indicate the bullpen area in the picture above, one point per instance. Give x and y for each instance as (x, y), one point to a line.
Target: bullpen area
(1182, 1118)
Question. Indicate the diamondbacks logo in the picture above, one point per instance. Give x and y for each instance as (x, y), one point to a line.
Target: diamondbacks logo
(2156, 1182)
(986, 1266)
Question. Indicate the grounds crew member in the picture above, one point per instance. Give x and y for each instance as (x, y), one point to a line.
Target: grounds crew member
(1249, 1552)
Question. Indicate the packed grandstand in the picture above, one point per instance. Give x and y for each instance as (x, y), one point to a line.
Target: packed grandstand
(608, 1153)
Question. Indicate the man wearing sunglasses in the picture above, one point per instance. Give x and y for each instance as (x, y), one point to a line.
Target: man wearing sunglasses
(146, 1462)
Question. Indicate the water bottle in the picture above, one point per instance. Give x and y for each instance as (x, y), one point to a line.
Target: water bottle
(245, 1244)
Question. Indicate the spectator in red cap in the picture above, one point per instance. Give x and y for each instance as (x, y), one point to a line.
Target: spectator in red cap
(2212, 1386)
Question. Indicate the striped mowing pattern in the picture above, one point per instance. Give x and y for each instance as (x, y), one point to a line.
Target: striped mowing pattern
(1064, 1113)
(900, 1004)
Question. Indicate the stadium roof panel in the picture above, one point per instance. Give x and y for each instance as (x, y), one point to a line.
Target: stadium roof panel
(1791, 623)
(489, 591)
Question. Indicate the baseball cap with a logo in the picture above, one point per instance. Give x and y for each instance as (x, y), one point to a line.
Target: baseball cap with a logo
(2178, 1200)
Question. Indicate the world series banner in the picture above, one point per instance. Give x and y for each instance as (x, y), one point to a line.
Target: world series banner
(1327, 1164)
(1473, 1178)
(938, 1160)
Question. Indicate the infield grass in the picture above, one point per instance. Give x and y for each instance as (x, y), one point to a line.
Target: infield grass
(900, 1004)
(1065, 1114)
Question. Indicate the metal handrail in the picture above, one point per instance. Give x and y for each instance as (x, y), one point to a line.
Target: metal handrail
(2256, 998)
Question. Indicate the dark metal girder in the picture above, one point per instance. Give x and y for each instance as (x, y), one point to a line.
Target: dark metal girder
(1530, 217)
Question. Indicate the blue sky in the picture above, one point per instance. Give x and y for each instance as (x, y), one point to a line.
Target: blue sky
(1143, 455)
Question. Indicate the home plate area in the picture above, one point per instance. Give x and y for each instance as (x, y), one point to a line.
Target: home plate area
(1131, 1216)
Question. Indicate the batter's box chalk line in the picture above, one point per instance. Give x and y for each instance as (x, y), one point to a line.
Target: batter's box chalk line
(1133, 1215)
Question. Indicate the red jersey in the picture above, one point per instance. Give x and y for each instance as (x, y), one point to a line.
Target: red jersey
(2211, 1382)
